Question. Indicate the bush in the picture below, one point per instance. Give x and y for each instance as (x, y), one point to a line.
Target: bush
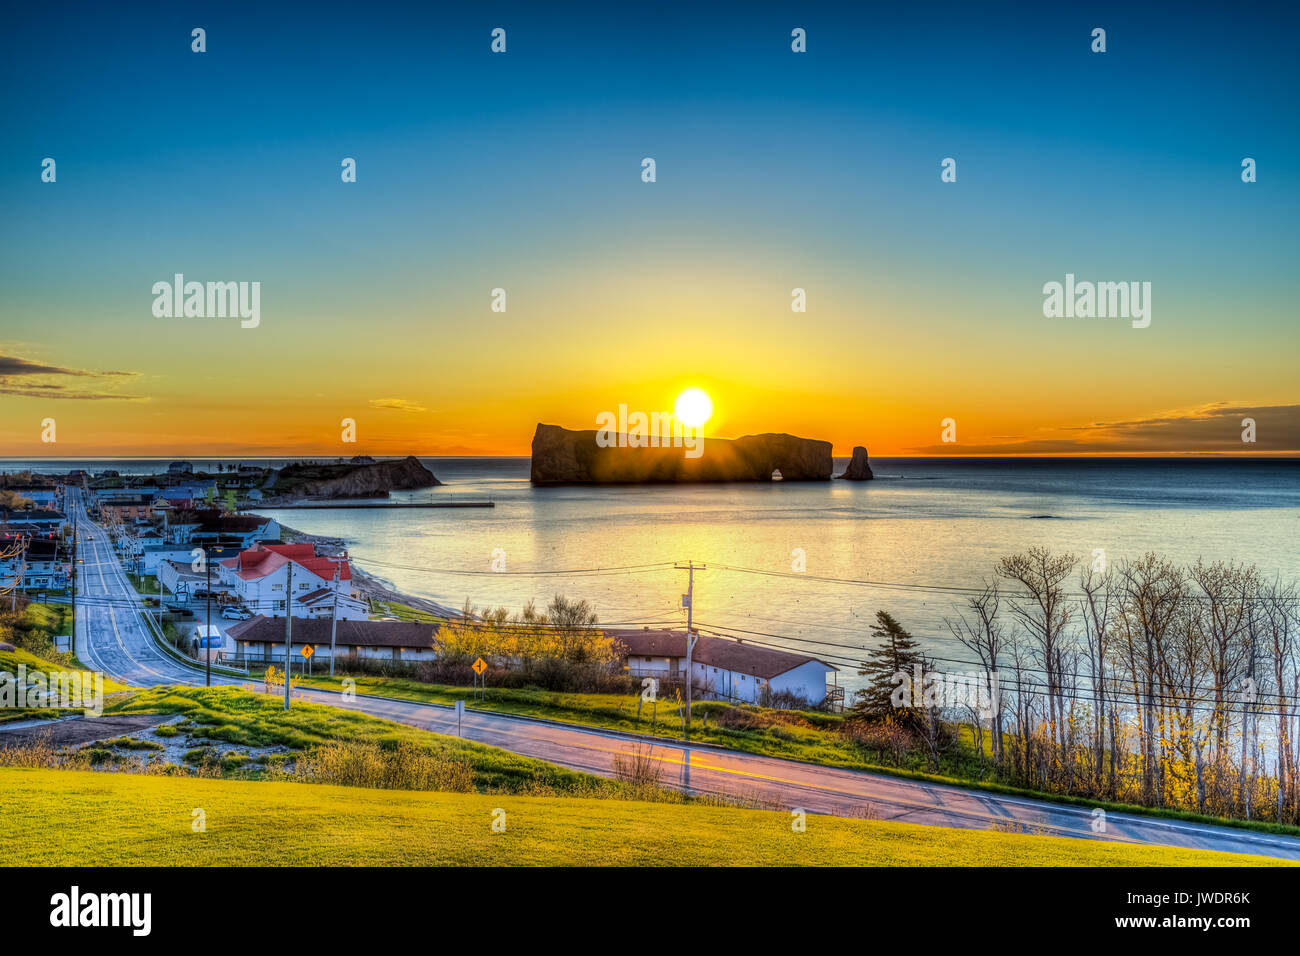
(353, 763)
(638, 766)
(130, 743)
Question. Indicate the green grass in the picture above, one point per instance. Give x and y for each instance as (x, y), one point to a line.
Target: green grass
(235, 716)
(79, 818)
(404, 612)
(9, 661)
(131, 743)
(144, 583)
(36, 628)
(807, 736)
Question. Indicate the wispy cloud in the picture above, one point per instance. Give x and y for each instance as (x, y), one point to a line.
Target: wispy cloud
(396, 404)
(1214, 428)
(33, 379)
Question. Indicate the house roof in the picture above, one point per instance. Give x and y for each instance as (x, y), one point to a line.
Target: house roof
(30, 514)
(185, 570)
(42, 549)
(270, 630)
(265, 559)
(325, 596)
(732, 655)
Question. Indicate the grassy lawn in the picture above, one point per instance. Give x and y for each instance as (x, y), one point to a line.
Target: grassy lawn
(808, 736)
(404, 612)
(77, 818)
(36, 627)
(144, 584)
(9, 661)
(235, 716)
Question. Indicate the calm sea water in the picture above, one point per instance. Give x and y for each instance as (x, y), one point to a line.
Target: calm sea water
(923, 523)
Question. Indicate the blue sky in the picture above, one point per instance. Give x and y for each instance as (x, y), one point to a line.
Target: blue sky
(818, 170)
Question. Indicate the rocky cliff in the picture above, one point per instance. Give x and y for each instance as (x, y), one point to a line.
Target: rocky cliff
(859, 468)
(563, 456)
(364, 481)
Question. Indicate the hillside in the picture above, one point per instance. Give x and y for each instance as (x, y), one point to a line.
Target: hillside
(56, 817)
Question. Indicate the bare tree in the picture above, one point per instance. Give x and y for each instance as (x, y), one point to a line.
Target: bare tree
(982, 634)
(1043, 610)
(1097, 605)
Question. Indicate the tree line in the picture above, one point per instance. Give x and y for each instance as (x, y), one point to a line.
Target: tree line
(1145, 682)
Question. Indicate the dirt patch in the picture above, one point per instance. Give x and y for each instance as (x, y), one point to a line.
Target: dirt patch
(81, 730)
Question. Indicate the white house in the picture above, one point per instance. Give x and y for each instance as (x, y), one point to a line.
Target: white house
(727, 669)
(259, 576)
(326, 603)
(180, 579)
(38, 563)
(152, 555)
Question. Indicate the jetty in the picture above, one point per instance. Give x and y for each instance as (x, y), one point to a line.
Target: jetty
(323, 505)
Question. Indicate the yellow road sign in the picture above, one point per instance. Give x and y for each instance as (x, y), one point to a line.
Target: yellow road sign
(306, 651)
(480, 666)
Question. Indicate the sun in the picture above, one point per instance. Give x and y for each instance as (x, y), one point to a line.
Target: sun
(693, 407)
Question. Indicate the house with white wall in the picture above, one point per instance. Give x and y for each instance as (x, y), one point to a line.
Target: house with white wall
(326, 603)
(724, 668)
(37, 563)
(259, 576)
(180, 579)
(151, 555)
(261, 640)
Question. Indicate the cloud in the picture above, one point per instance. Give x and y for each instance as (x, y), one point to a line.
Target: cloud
(30, 379)
(396, 404)
(1213, 428)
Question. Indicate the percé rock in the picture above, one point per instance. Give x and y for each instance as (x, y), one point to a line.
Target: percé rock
(859, 468)
(368, 481)
(562, 456)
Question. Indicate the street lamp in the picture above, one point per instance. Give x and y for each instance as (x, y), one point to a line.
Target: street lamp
(207, 638)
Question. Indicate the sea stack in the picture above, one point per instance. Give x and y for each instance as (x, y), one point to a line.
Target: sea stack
(859, 468)
(562, 456)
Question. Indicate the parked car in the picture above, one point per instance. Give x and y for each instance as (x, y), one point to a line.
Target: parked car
(179, 611)
(236, 614)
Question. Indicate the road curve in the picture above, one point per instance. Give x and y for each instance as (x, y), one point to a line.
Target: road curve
(112, 637)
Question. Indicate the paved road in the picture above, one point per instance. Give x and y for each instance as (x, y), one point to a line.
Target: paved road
(111, 637)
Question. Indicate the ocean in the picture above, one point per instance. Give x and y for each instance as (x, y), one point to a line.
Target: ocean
(901, 543)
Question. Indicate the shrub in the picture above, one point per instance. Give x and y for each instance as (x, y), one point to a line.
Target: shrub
(353, 763)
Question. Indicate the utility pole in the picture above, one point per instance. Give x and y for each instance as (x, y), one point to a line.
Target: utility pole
(688, 599)
(334, 617)
(74, 573)
(207, 639)
(288, 633)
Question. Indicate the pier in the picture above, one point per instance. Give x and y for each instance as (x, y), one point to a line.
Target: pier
(322, 505)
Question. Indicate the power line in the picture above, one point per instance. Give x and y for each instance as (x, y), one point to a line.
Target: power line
(574, 572)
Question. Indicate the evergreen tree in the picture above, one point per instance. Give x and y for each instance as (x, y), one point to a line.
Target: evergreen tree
(898, 651)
